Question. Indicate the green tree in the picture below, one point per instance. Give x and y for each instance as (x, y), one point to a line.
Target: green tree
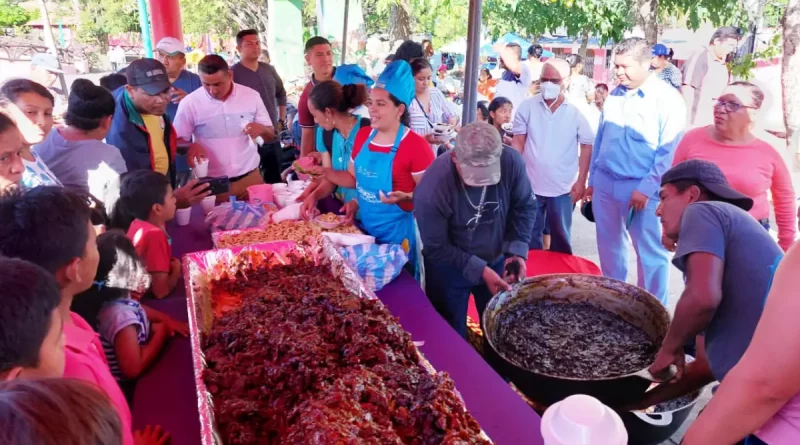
(204, 16)
(13, 15)
(101, 18)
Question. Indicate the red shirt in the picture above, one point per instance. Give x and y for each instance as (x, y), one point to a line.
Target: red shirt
(413, 157)
(305, 117)
(152, 245)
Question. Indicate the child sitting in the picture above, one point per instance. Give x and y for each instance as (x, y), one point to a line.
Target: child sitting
(56, 412)
(31, 334)
(147, 196)
(131, 342)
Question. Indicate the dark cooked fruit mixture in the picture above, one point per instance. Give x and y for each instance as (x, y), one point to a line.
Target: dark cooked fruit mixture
(576, 340)
(297, 359)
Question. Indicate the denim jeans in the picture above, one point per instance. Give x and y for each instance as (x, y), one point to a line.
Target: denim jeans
(555, 212)
(449, 291)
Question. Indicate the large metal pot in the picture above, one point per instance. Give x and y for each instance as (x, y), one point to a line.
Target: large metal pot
(631, 303)
(655, 428)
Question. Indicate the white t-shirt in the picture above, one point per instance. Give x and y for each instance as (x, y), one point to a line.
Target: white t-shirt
(516, 92)
(551, 146)
(217, 126)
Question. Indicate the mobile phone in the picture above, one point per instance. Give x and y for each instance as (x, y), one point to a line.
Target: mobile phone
(630, 218)
(216, 186)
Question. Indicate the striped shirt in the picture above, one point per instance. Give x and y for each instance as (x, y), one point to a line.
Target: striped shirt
(423, 121)
(113, 318)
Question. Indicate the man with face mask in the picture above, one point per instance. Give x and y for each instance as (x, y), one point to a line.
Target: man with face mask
(548, 128)
(642, 122)
(144, 133)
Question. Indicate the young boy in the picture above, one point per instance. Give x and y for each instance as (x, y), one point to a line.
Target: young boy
(148, 197)
(31, 328)
(51, 227)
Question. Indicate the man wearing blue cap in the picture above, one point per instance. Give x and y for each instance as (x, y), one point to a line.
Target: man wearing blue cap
(663, 68)
(388, 161)
(264, 79)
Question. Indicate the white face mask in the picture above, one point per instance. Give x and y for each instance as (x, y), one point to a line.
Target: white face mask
(550, 90)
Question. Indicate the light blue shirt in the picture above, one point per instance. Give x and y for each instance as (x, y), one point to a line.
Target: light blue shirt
(638, 133)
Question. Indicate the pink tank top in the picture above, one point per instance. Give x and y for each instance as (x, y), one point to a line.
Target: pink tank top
(784, 427)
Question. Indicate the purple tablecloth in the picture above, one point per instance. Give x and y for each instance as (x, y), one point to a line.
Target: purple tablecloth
(165, 395)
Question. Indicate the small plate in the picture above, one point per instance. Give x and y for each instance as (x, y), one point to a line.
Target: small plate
(326, 224)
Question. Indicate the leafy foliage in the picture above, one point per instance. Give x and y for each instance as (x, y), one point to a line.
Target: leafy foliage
(203, 16)
(101, 18)
(13, 15)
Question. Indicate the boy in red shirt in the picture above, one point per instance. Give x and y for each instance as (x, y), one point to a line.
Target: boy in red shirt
(148, 197)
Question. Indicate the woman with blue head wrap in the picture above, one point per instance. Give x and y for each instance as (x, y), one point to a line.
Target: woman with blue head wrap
(387, 162)
(332, 104)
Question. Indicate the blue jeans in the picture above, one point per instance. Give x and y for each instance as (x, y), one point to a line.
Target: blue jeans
(610, 207)
(554, 213)
(449, 291)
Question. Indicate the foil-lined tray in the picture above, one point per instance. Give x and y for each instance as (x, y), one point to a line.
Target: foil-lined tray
(200, 268)
(217, 236)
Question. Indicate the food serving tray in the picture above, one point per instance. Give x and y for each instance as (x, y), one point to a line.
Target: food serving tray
(256, 235)
(200, 268)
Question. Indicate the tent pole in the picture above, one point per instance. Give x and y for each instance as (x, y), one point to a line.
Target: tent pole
(344, 31)
(473, 63)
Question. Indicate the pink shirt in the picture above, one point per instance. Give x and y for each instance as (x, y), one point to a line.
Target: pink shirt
(784, 427)
(751, 169)
(85, 360)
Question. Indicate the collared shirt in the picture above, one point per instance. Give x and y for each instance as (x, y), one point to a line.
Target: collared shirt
(551, 143)
(218, 126)
(515, 91)
(709, 76)
(85, 360)
(456, 233)
(266, 81)
(639, 131)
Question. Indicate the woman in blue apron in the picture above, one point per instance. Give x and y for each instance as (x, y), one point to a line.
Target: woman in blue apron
(332, 106)
(388, 161)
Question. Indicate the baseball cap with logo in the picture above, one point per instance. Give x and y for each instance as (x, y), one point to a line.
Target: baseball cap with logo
(149, 75)
(709, 176)
(170, 46)
(478, 150)
(46, 61)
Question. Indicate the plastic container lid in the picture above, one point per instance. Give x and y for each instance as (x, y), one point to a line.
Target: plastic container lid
(582, 420)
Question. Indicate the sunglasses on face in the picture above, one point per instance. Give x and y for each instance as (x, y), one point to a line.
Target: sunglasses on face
(730, 107)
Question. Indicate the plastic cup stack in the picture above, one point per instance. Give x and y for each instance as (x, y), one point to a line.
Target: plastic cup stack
(183, 216)
(582, 420)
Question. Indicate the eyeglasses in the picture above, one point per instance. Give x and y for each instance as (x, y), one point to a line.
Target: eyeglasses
(730, 107)
(555, 81)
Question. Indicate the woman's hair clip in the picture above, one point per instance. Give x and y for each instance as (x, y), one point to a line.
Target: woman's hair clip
(100, 284)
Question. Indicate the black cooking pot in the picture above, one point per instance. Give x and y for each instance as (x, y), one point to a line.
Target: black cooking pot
(629, 302)
(655, 428)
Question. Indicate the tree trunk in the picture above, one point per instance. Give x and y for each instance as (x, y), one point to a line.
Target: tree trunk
(647, 19)
(790, 75)
(400, 24)
(584, 42)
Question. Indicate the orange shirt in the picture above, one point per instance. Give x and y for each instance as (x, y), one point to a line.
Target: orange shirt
(486, 89)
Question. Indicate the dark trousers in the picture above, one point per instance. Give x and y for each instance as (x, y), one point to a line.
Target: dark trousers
(270, 165)
(752, 440)
(449, 291)
(555, 213)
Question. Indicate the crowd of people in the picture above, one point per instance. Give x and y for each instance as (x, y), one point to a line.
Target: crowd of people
(85, 204)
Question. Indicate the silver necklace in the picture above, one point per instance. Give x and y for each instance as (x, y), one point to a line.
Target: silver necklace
(478, 208)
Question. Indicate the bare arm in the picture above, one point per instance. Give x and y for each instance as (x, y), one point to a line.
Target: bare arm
(766, 376)
(164, 283)
(134, 358)
(518, 142)
(307, 141)
(341, 178)
(509, 58)
(688, 92)
(583, 162)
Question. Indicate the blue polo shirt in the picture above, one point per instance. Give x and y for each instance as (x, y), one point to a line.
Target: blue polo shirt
(187, 81)
(638, 133)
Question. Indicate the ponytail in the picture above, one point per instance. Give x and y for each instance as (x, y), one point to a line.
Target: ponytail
(331, 95)
(353, 96)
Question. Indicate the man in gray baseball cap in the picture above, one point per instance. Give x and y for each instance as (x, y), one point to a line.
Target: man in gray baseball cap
(727, 259)
(475, 210)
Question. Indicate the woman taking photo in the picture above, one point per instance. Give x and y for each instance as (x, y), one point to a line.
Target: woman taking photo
(429, 106)
(30, 105)
(751, 165)
(76, 153)
(387, 162)
(500, 112)
(331, 104)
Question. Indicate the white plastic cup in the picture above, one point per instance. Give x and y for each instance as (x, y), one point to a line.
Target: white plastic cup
(279, 187)
(183, 216)
(582, 420)
(208, 204)
(201, 168)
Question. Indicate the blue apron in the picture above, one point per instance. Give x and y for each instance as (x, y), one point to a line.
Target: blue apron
(388, 223)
